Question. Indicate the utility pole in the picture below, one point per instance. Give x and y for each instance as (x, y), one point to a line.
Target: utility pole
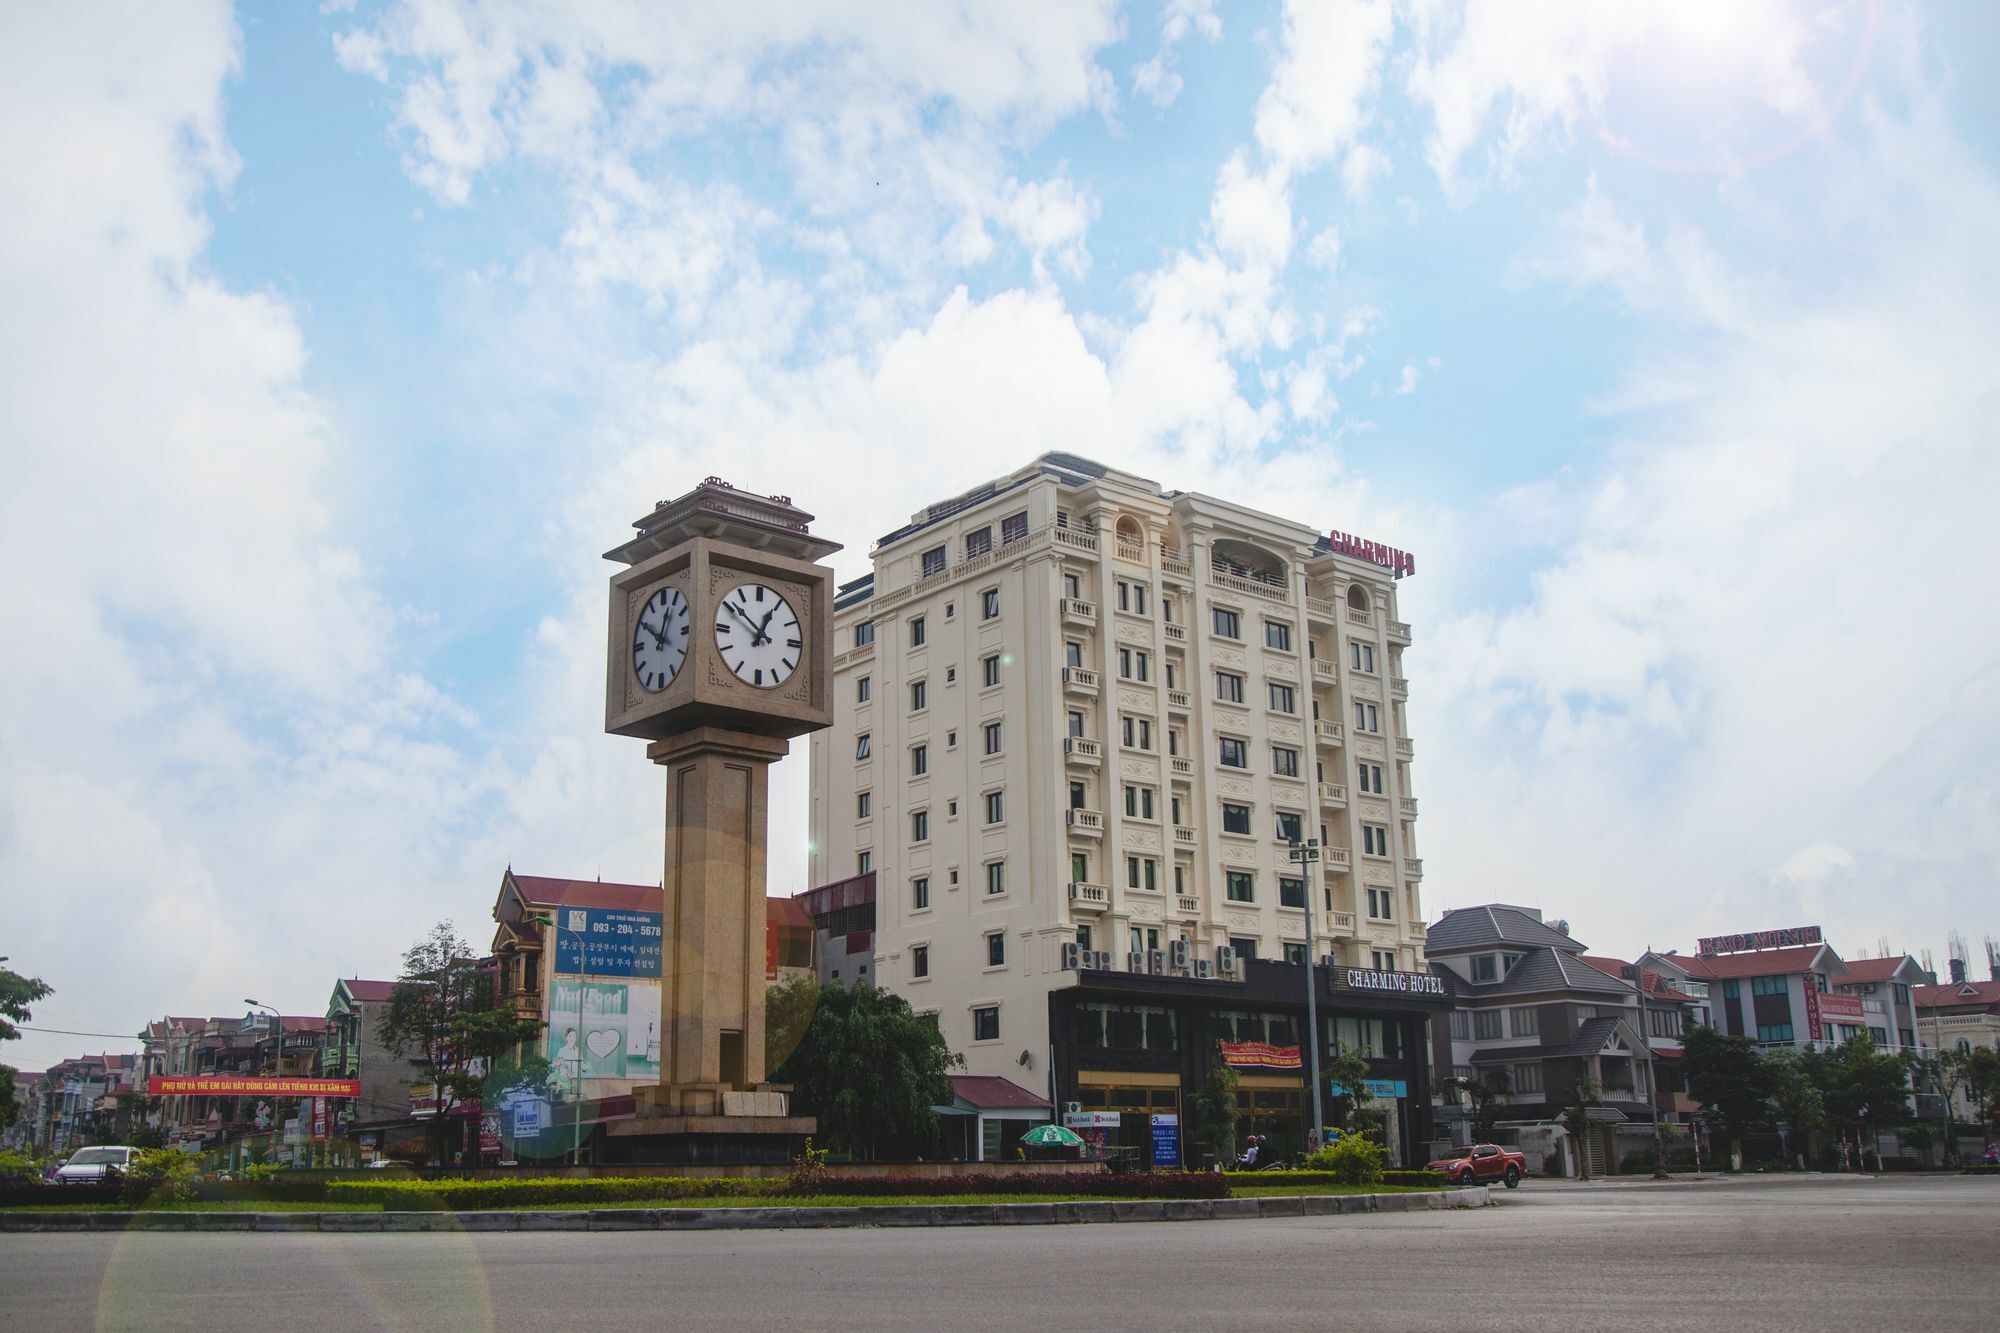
(1652, 1077)
(1306, 854)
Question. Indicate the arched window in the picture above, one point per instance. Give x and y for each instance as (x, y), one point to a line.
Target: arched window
(1357, 597)
(1245, 561)
(1130, 531)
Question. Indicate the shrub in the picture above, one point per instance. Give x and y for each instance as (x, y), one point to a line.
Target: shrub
(1140, 1185)
(1827, 1158)
(1981, 1169)
(460, 1195)
(808, 1173)
(1351, 1160)
(1427, 1179)
(160, 1175)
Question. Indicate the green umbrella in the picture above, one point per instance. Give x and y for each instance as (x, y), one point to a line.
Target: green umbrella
(1050, 1136)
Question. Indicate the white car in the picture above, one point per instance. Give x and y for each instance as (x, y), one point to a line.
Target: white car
(88, 1166)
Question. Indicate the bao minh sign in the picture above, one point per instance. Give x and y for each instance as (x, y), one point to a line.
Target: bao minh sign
(195, 1085)
(1398, 563)
(1789, 938)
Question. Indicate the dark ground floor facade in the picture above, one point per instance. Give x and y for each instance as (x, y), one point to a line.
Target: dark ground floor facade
(1130, 1050)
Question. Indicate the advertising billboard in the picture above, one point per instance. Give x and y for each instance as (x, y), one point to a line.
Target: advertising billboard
(604, 1029)
(249, 1085)
(600, 942)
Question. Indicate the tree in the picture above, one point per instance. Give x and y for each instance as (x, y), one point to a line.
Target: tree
(1863, 1087)
(1347, 1069)
(870, 1069)
(1212, 1109)
(1732, 1083)
(1482, 1094)
(788, 1012)
(441, 1017)
(1576, 1119)
(1797, 1099)
(17, 994)
(1978, 1070)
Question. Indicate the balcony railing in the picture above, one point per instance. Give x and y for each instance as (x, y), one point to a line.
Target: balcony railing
(1089, 897)
(1413, 867)
(1343, 923)
(1321, 609)
(1086, 821)
(1175, 633)
(1333, 795)
(1399, 631)
(1083, 749)
(1272, 591)
(1187, 903)
(1081, 679)
(1327, 733)
(1335, 858)
(1074, 538)
(1075, 608)
(1180, 768)
(1356, 616)
(1173, 562)
(1324, 672)
(1405, 748)
(1409, 807)
(1183, 835)
(1132, 552)
(1178, 700)
(1399, 687)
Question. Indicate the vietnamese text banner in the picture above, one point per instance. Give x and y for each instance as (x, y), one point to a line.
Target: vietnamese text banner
(1258, 1054)
(195, 1085)
(599, 942)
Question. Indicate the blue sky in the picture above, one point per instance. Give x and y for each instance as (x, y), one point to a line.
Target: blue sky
(339, 342)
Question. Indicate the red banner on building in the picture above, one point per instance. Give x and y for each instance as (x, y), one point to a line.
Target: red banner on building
(235, 1085)
(1259, 1054)
(1834, 1005)
(1813, 1026)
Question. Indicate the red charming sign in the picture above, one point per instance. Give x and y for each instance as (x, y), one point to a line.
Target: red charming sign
(1259, 1055)
(235, 1085)
(1398, 563)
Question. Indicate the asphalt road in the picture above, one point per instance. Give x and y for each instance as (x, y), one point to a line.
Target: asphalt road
(1766, 1254)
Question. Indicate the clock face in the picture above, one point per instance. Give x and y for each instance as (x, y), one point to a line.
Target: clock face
(660, 639)
(757, 633)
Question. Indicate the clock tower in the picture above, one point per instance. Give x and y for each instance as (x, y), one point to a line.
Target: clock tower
(720, 652)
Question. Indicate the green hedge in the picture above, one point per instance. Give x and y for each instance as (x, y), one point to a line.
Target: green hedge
(1981, 1169)
(457, 1195)
(1434, 1179)
(1136, 1185)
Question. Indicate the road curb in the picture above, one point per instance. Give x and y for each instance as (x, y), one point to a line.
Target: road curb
(763, 1219)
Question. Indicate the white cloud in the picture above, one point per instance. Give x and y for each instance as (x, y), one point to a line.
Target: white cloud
(1408, 383)
(1317, 101)
(1156, 78)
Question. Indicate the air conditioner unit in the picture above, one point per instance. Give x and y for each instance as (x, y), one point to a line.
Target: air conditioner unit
(1203, 969)
(1225, 960)
(1135, 961)
(1103, 963)
(1177, 955)
(1072, 956)
(1156, 961)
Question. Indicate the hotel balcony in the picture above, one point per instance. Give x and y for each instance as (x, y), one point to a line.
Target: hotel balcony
(1178, 701)
(1327, 733)
(1076, 539)
(1333, 795)
(1089, 897)
(1183, 836)
(1405, 748)
(1082, 750)
(1413, 867)
(1409, 807)
(1399, 687)
(1336, 860)
(1271, 589)
(1399, 632)
(1176, 634)
(1187, 903)
(1080, 611)
(1175, 564)
(1132, 553)
(1323, 610)
(1342, 923)
(1325, 672)
(1356, 616)
(1080, 680)
(1087, 822)
(1179, 767)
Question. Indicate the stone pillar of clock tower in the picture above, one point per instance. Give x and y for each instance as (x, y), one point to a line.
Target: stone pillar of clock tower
(712, 993)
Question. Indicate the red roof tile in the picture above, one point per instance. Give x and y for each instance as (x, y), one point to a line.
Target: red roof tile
(992, 1093)
(369, 990)
(1873, 969)
(1959, 995)
(543, 892)
(1757, 963)
(1656, 985)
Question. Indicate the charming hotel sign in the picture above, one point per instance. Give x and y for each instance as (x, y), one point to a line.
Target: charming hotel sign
(1402, 983)
(1396, 562)
(1789, 938)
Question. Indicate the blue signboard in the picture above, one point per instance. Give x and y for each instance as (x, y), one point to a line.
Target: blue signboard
(1166, 1140)
(599, 942)
(1377, 1087)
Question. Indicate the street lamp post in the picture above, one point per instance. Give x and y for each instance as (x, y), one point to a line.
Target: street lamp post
(576, 1080)
(277, 1066)
(1306, 854)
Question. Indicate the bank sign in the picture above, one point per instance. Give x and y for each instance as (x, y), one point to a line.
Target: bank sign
(600, 942)
(1789, 938)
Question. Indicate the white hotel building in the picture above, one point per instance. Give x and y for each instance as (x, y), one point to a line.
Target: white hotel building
(1072, 707)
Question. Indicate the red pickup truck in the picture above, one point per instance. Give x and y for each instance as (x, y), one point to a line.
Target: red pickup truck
(1482, 1163)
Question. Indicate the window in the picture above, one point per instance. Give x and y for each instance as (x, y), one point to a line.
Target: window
(1767, 985)
(1902, 994)
(995, 807)
(1523, 1022)
(989, 669)
(1295, 954)
(950, 674)
(1819, 980)
(1079, 868)
(1075, 722)
(1374, 840)
(1235, 818)
(950, 610)
(1142, 872)
(978, 542)
(951, 739)
(1485, 1024)
(992, 734)
(1357, 597)
(1083, 938)
(864, 633)
(861, 801)
(920, 893)
(1524, 1078)
(1132, 597)
(1246, 948)
(1134, 664)
(864, 862)
(1461, 1025)
(996, 877)
(861, 746)
(919, 695)
(1076, 796)
(1729, 991)
(1138, 732)
(1291, 827)
(1240, 886)
(1226, 624)
(1072, 587)
(861, 690)
(920, 825)
(1291, 892)
(1278, 635)
(1284, 761)
(1362, 657)
(1485, 967)
(1662, 1022)
(920, 760)
(1232, 753)
(1365, 717)
(989, 604)
(1014, 528)
(986, 1023)
(1380, 904)
(916, 631)
(1138, 802)
(996, 949)
(934, 560)
(1228, 687)
(1774, 1032)
(1384, 960)
(1368, 778)
(1283, 698)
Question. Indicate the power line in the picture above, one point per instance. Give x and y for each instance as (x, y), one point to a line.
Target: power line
(68, 1032)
